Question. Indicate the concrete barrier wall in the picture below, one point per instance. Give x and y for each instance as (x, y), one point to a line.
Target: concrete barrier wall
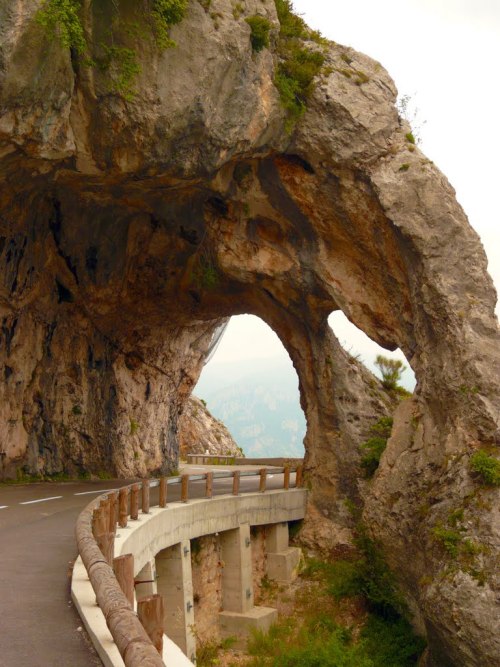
(177, 522)
(151, 533)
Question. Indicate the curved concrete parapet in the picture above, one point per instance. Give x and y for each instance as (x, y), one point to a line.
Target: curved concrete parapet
(149, 535)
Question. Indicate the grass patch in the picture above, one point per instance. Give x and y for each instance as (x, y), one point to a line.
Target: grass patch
(486, 467)
(448, 538)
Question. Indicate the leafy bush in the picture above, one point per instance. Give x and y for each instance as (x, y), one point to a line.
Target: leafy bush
(376, 581)
(165, 14)
(259, 32)
(486, 467)
(391, 643)
(371, 460)
(62, 18)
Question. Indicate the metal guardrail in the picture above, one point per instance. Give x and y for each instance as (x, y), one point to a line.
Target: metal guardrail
(95, 533)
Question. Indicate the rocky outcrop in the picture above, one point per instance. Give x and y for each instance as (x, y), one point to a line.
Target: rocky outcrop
(201, 433)
(132, 222)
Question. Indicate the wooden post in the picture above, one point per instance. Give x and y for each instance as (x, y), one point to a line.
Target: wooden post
(104, 505)
(134, 502)
(145, 496)
(150, 613)
(104, 538)
(286, 478)
(299, 476)
(262, 482)
(184, 488)
(209, 485)
(99, 523)
(123, 507)
(236, 482)
(123, 567)
(163, 492)
(113, 511)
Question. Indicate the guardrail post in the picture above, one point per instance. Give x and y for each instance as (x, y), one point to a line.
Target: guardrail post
(286, 478)
(123, 567)
(123, 507)
(113, 511)
(134, 502)
(150, 613)
(184, 488)
(299, 477)
(236, 482)
(262, 482)
(209, 485)
(104, 538)
(163, 492)
(145, 496)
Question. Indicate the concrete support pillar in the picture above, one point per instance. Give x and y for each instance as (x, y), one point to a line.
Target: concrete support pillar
(237, 584)
(175, 585)
(282, 562)
(239, 615)
(146, 581)
(277, 537)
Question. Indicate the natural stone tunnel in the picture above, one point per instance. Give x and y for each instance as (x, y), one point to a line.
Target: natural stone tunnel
(129, 228)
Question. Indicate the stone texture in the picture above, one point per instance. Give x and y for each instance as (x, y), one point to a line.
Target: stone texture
(115, 217)
(201, 433)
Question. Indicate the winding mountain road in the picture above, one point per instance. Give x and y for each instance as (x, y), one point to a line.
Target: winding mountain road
(38, 625)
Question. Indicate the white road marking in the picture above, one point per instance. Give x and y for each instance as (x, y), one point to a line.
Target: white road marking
(3, 507)
(40, 500)
(87, 493)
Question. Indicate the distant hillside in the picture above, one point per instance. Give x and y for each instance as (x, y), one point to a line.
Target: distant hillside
(258, 401)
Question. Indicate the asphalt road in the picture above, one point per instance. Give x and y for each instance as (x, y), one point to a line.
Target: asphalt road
(38, 624)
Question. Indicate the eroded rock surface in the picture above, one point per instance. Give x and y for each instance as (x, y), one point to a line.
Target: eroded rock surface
(201, 433)
(128, 229)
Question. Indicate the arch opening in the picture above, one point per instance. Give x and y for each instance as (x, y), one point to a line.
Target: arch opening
(250, 384)
(364, 349)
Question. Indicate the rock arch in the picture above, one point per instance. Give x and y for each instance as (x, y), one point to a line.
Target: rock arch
(128, 230)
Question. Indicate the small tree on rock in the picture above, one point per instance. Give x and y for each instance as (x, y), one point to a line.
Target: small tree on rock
(391, 370)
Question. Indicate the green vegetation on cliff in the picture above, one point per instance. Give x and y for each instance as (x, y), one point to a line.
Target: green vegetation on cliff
(363, 589)
(299, 64)
(63, 19)
(486, 467)
(259, 32)
(375, 446)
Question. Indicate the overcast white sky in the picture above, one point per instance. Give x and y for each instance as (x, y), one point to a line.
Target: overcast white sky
(446, 55)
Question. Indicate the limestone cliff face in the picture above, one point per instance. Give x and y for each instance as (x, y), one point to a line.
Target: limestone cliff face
(129, 228)
(201, 433)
